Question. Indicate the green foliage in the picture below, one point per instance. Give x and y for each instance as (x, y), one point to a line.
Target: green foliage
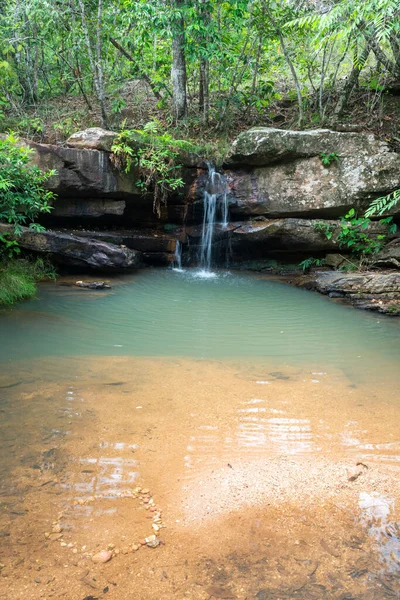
(157, 158)
(384, 204)
(18, 278)
(358, 235)
(328, 159)
(354, 236)
(311, 262)
(23, 196)
(326, 228)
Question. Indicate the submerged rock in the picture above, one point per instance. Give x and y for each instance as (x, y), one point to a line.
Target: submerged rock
(93, 285)
(102, 557)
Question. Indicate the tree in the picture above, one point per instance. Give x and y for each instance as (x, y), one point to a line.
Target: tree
(178, 70)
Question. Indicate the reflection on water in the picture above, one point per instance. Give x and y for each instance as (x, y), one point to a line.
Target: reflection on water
(376, 514)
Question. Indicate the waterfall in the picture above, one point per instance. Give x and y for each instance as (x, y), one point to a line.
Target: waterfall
(178, 257)
(215, 205)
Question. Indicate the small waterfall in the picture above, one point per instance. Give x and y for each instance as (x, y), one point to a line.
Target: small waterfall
(178, 257)
(215, 206)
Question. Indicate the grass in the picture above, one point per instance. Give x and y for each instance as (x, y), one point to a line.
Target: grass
(18, 278)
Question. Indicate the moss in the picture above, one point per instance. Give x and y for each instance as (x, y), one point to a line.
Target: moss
(18, 279)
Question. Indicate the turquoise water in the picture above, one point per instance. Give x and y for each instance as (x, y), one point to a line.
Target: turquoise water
(166, 313)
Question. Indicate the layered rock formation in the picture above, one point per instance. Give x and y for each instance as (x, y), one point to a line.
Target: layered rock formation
(375, 291)
(277, 186)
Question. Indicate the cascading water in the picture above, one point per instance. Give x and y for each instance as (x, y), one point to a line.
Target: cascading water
(178, 257)
(215, 205)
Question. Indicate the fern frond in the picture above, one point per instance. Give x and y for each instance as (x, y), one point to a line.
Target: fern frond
(383, 204)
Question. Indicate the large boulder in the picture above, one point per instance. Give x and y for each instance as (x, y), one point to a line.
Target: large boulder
(375, 291)
(76, 250)
(265, 145)
(307, 188)
(94, 138)
(84, 173)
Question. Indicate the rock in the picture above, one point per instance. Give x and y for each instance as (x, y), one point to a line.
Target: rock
(375, 291)
(152, 541)
(79, 251)
(259, 238)
(83, 173)
(94, 138)
(57, 528)
(265, 145)
(102, 557)
(307, 188)
(389, 256)
(90, 208)
(54, 537)
(93, 285)
(334, 260)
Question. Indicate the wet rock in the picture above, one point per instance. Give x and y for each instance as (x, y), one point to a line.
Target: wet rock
(76, 250)
(370, 290)
(216, 591)
(266, 145)
(94, 138)
(102, 557)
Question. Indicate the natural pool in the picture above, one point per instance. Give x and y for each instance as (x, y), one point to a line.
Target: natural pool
(242, 403)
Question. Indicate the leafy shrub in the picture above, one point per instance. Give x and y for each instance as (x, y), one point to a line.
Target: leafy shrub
(156, 157)
(354, 234)
(22, 193)
(311, 262)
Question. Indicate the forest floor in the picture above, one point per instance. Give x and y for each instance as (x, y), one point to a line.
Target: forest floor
(133, 105)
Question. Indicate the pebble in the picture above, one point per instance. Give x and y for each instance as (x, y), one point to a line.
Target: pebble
(57, 528)
(102, 557)
(145, 491)
(152, 541)
(135, 547)
(155, 527)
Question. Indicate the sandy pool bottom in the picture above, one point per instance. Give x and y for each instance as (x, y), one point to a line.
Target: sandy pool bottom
(258, 482)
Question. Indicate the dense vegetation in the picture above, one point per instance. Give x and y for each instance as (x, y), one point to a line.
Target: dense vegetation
(23, 198)
(207, 65)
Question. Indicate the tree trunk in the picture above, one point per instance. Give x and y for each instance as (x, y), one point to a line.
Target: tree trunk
(178, 71)
(350, 85)
(96, 67)
(204, 99)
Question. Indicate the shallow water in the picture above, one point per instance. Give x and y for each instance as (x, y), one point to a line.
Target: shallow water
(241, 403)
(166, 313)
